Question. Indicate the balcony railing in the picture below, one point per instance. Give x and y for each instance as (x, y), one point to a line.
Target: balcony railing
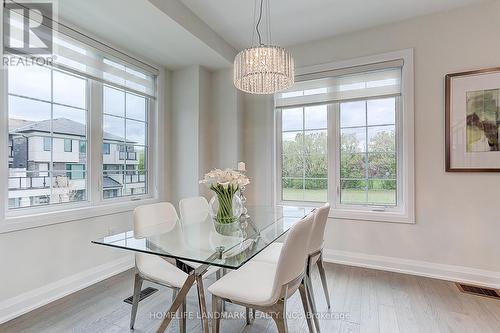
(132, 156)
(28, 183)
(131, 179)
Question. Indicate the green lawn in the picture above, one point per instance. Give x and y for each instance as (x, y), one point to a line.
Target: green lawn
(348, 196)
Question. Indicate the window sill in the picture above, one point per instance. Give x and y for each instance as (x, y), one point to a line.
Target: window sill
(357, 214)
(371, 216)
(28, 221)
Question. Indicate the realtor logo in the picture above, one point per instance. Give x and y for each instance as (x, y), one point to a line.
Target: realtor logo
(27, 28)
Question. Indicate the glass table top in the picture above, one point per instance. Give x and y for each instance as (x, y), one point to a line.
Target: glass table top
(200, 242)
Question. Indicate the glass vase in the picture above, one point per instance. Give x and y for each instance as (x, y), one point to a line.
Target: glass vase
(226, 213)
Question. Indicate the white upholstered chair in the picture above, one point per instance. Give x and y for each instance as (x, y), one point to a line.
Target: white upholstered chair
(150, 220)
(193, 210)
(266, 286)
(315, 255)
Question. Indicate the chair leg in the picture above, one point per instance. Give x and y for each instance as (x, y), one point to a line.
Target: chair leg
(223, 303)
(177, 303)
(279, 318)
(182, 312)
(135, 300)
(202, 303)
(215, 314)
(220, 273)
(174, 294)
(249, 315)
(182, 319)
(322, 274)
(312, 302)
(305, 304)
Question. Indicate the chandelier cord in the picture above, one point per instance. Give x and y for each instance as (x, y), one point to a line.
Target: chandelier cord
(269, 22)
(258, 22)
(254, 20)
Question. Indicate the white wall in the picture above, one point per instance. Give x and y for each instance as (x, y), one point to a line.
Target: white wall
(37, 257)
(226, 105)
(185, 124)
(258, 148)
(458, 215)
(206, 156)
(206, 122)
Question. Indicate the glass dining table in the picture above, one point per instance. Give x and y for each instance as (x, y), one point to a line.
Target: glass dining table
(196, 245)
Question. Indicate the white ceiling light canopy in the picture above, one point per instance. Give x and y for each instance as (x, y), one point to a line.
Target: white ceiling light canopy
(263, 69)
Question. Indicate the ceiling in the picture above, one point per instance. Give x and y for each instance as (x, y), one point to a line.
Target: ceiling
(298, 21)
(141, 27)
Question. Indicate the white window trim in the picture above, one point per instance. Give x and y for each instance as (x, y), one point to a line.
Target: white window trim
(94, 206)
(405, 212)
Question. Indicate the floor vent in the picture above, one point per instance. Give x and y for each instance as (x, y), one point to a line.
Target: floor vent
(479, 291)
(144, 294)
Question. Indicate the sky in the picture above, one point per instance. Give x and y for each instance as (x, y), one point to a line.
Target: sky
(353, 119)
(122, 110)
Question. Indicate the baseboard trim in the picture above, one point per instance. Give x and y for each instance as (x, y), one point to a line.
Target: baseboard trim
(453, 273)
(26, 302)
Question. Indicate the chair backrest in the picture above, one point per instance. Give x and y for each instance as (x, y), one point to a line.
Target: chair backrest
(154, 218)
(318, 231)
(292, 260)
(193, 210)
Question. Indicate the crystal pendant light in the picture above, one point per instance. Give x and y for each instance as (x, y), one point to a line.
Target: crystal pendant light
(263, 69)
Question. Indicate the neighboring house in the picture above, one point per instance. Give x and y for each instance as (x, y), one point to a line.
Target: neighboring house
(32, 148)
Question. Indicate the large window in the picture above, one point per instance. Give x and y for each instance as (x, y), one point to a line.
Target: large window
(368, 163)
(125, 124)
(79, 127)
(47, 109)
(304, 153)
(345, 136)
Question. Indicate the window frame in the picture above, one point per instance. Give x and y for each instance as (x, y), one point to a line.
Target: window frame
(150, 148)
(69, 148)
(404, 211)
(70, 171)
(26, 213)
(47, 142)
(279, 154)
(82, 143)
(94, 205)
(108, 148)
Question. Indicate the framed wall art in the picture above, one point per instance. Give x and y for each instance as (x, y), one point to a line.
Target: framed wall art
(472, 117)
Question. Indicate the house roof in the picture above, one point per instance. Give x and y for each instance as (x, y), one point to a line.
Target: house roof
(17, 123)
(59, 126)
(108, 182)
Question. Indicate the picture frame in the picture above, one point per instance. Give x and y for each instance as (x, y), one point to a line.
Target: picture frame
(472, 121)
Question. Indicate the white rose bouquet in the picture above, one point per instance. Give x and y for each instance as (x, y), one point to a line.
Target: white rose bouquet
(225, 184)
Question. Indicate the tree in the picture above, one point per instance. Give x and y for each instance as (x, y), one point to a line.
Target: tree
(305, 155)
(352, 162)
(141, 164)
(382, 160)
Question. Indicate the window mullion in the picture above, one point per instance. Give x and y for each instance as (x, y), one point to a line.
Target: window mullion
(303, 153)
(366, 153)
(51, 165)
(124, 175)
(398, 127)
(95, 141)
(4, 141)
(332, 158)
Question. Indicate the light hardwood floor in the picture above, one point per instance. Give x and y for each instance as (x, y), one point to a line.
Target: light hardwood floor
(363, 300)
